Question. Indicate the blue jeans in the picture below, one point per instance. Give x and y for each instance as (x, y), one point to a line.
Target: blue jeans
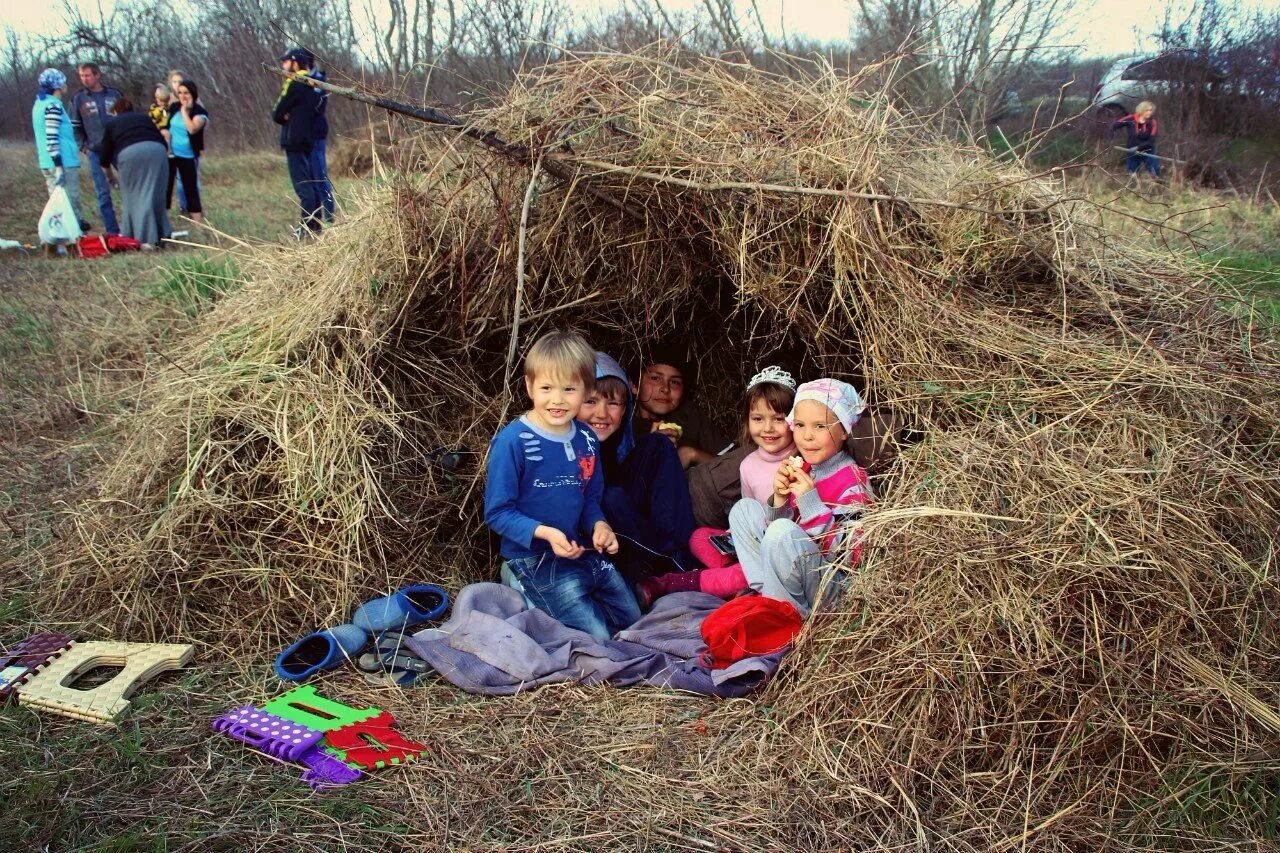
(586, 593)
(320, 174)
(182, 191)
(103, 189)
(306, 186)
(1136, 160)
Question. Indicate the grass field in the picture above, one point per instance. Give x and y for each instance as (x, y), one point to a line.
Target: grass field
(74, 336)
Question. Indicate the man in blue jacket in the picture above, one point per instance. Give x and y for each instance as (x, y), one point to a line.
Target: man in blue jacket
(90, 111)
(295, 111)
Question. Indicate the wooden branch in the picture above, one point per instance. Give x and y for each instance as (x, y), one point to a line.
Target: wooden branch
(721, 186)
(1146, 154)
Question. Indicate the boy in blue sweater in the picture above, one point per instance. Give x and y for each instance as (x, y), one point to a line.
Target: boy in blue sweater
(543, 493)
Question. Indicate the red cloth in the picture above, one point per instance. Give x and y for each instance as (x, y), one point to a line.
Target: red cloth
(117, 243)
(96, 246)
(748, 627)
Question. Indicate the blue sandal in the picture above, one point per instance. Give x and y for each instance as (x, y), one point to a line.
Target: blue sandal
(320, 651)
(424, 602)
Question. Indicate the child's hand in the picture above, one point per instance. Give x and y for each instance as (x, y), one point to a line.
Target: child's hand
(561, 545)
(603, 538)
(801, 482)
(781, 484)
(670, 430)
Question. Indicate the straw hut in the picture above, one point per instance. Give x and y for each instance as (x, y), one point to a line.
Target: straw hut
(1064, 617)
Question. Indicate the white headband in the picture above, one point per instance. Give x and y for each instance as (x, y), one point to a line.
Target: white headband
(839, 397)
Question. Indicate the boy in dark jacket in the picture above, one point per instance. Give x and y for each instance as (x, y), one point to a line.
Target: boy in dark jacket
(320, 144)
(295, 111)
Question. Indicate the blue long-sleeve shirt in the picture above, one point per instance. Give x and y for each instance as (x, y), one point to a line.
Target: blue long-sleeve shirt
(536, 478)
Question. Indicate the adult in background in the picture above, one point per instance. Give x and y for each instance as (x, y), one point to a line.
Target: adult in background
(90, 111)
(132, 144)
(320, 144)
(176, 76)
(186, 140)
(55, 139)
(295, 112)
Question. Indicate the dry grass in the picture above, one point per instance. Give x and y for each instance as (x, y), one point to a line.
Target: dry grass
(1064, 621)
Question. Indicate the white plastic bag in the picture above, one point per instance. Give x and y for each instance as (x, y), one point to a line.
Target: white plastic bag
(58, 222)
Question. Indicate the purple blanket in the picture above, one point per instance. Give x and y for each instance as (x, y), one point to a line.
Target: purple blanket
(494, 644)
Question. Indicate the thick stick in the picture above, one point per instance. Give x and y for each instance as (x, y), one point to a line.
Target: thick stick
(1145, 154)
(786, 189)
(519, 153)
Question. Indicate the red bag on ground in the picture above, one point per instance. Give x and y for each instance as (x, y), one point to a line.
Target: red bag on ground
(92, 246)
(749, 626)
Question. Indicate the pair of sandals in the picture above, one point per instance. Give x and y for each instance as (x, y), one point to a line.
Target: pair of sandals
(390, 664)
(385, 620)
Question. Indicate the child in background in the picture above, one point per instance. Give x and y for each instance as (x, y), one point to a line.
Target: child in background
(159, 109)
(783, 544)
(1142, 131)
(665, 404)
(646, 495)
(543, 492)
(767, 402)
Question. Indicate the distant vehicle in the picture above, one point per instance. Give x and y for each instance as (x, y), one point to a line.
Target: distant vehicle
(1144, 78)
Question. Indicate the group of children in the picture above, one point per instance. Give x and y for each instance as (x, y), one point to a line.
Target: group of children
(590, 499)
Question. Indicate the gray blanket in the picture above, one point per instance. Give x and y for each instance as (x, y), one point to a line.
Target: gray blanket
(494, 644)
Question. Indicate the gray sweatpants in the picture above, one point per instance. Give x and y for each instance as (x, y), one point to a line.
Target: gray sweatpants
(71, 183)
(778, 558)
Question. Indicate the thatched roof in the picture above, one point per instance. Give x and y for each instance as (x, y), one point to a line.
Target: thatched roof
(1066, 602)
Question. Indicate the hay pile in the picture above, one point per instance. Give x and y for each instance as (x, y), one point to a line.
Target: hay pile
(1064, 620)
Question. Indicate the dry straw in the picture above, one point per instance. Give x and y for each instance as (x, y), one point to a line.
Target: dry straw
(1067, 601)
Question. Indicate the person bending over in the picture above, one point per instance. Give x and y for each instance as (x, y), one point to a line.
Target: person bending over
(543, 495)
(1141, 129)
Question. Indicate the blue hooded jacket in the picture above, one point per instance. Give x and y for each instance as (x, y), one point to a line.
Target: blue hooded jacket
(622, 442)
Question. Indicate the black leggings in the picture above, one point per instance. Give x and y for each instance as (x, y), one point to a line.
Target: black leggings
(186, 166)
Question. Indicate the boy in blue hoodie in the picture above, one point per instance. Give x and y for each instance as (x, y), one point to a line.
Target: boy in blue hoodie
(646, 495)
(543, 495)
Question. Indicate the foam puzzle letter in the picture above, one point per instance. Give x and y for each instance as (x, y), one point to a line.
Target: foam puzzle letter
(49, 687)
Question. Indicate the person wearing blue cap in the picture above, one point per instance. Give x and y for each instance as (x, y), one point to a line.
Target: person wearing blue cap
(295, 111)
(646, 497)
(56, 148)
(320, 145)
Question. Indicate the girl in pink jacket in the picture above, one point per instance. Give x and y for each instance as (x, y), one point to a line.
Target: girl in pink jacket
(765, 409)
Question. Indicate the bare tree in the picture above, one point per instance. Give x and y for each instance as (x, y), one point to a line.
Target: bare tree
(960, 55)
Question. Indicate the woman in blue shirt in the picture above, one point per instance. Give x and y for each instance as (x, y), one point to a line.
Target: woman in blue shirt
(187, 121)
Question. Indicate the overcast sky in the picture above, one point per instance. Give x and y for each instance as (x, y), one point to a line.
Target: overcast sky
(1102, 28)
